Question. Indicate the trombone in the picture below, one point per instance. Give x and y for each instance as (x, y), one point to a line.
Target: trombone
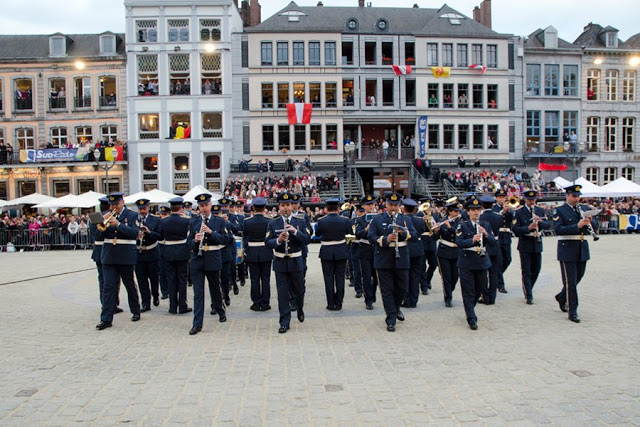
(105, 223)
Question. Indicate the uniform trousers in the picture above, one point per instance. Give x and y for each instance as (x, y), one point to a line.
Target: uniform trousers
(213, 279)
(176, 272)
(101, 285)
(449, 273)
(393, 288)
(531, 264)
(291, 281)
(333, 272)
(430, 264)
(472, 282)
(225, 279)
(260, 275)
(356, 271)
(489, 292)
(369, 280)
(505, 261)
(164, 283)
(416, 265)
(112, 274)
(572, 273)
(147, 277)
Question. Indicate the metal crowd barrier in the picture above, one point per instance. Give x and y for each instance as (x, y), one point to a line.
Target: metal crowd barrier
(43, 239)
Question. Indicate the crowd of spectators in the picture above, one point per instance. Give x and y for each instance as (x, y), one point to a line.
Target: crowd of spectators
(58, 231)
(512, 180)
(309, 185)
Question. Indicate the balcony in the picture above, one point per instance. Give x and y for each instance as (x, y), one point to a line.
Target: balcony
(149, 134)
(108, 102)
(23, 104)
(57, 103)
(82, 102)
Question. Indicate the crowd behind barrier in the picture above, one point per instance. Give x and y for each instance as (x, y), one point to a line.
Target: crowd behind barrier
(67, 232)
(309, 185)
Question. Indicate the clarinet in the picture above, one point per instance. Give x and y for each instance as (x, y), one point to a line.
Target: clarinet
(140, 239)
(395, 231)
(201, 246)
(285, 221)
(589, 226)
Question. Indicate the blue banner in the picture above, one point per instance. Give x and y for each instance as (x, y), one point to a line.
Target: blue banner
(422, 134)
(53, 155)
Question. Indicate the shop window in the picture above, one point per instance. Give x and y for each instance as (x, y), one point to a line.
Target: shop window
(86, 185)
(212, 125)
(26, 188)
(61, 188)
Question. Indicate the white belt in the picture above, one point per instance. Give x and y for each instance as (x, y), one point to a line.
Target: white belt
(213, 247)
(473, 248)
(531, 235)
(332, 242)
(400, 244)
(117, 241)
(505, 230)
(427, 233)
(365, 241)
(174, 242)
(98, 243)
(148, 248)
(447, 243)
(255, 243)
(572, 237)
(291, 255)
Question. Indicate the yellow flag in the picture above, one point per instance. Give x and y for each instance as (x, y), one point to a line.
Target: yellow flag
(108, 154)
(440, 71)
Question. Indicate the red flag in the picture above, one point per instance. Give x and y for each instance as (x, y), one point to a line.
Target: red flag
(299, 113)
(401, 69)
(482, 68)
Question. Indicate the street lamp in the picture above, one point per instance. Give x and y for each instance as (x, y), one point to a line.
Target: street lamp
(106, 166)
(575, 157)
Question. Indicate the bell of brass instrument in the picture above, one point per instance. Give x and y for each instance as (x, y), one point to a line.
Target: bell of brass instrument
(105, 223)
(514, 202)
(346, 207)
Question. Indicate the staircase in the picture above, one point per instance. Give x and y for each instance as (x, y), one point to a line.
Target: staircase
(425, 187)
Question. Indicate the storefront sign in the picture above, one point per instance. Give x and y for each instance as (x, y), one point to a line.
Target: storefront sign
(381, 184)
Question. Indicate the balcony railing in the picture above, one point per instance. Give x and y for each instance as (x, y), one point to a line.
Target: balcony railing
(149, 134)
(57, 103)
(82, 102)
(107, 102)
(209, 133)
(23, 104)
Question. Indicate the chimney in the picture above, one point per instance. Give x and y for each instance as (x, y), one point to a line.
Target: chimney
(482, 14)
(320, 4)
(244, 12)
(360, 3)
(415, 6)
(476, 14)
(255, 13)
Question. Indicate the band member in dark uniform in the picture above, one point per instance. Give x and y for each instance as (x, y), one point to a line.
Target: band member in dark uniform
(175, 256)
(333, 253)
(258, 256)
(416, 253)
(286, 236)
(208, 235)
(296, 205)
(473, 237)
(239, 220)
(164, 212)
(528, 224)
(448, 250)
(148, 256)
(98, 240)
(504, 236)
(572, 228)
(228, 253)
(389, 233)
(429, 245)
(494, 220)
(353, 264)
(365, 252)
(118, 259)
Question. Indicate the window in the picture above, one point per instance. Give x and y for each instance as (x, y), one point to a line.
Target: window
(147, 31)
(107, 45)
(60, 188)
(387, 53)
(57, 94)
(370, 56)
(610, 133)
(314, 54)
(329, 53)
(478, 101)
(492, 137)
(347, 93)
(315, 137)
(551, 83)
(447, 95)
(410, 92)
(147, 75)
(612, 39)
(551, 126)
(178, 30)
(609, 175)
(1, 104)
(211, 71)
(84, 134)
(3, 190)
(492, 96)
(593, 84)
(57, 46)
(492, 56)
(26, 187)
(283, 95)
(433, 137)
(593, 175)
(533, 79)
(267, 95)
(266, 52)
(371, 92)
(299, 92)
(300, 137)
(268, 143)
(570, 122)
(627, 173)
(593, 126)
(533, 129)
(387, 93)
(463, 137)
(463, 55)
(212, 162)
(628, 124)
(85, 185)
(570, 80)
(24, 94)
(212, 125)
(180, 126)
(478, 137)
(180, 163)
(25, 137)
(282, 50)
(332, 137)
(463, 95)
(347, 53)
(179, 82)
(108, 92)
(298, 53)
(149, 126)
(447, 55)
(59, 137)
(331, 94)
(82, 92)
(476, 54)
(611, 85)
(432, 54)
(433, 90)
(284, 138)
(314, 95)
(209, 30)
(629, 86)
(109, 132)
(447, 136)
(410, 53)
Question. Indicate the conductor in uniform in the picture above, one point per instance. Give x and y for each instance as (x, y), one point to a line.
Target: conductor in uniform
(389, 233)
(334, 253)
(504, 235)
(365, 252)
(258, 256)
(528, 224)
(148, 256)
(118, 259)
(572, 228)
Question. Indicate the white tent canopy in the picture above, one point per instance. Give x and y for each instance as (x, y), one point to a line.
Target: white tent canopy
(589, 189)
(68, 201)
(31, 199)
(621, 187)
(88, 199)
(199, 189)
(155, 196)
(561, 182)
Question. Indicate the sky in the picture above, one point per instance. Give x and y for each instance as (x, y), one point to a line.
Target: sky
(519, 17)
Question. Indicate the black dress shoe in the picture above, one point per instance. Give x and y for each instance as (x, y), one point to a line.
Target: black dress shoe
(156, 301)
(391, 328)
(283, 329)
(265, 307)
(145, 309)
(473, 326)
(186, 310)
(400, 316)
(255, 307)
(404, 304)
(195, 330)
(236, 290)
(448, 304)
(117, 310)
(425, 292)
(292, 306)
(135, 317)
(530, 301)
(227, 301)
(369, 306)
(213, 312)
(103, 325)
(574, 319)
(173, 312)
(242, 283)
(165, 296)
(359, 295)
(331, 308)
(223, 318)
(301, 315)
(502, 290)
(562, 305)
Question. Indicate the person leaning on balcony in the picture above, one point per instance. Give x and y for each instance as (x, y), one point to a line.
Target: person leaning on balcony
(433, 101)
(3, 153)
(462, 100)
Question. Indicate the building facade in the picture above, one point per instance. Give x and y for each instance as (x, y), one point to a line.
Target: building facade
(60, 95)
(180, 102)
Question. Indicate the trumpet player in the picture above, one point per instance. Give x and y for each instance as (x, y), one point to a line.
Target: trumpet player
(148, 256)
(389, 233)
(572, 228)
(528, 224)
(429, 245)
(473, 237)
(504, 235)
(448, 251)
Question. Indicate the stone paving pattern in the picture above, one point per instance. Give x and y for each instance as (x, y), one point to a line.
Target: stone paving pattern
(525, 365)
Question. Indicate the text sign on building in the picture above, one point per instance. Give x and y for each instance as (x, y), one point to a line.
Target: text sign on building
(422, 133)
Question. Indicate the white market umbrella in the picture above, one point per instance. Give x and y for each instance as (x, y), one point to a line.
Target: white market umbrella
(621, 187)
(31, 199)
(68, 201)
(199, 189)
(155, 197)
(89, 199)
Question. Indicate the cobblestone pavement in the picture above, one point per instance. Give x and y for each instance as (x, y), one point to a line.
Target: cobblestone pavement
(525, 364)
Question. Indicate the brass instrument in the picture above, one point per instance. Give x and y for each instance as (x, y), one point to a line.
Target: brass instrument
(514, 202)
(140, 235)
(346, 207)
(105, 223)
(535, 218)
(480, 249)
(201, 246)
(426, 209)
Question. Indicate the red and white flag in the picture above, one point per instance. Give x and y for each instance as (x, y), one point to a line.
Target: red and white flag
(481, 68)
(299, 113)
(401, 69)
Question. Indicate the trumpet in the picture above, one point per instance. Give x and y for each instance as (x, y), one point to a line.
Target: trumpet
(535, 218)
(105, 223)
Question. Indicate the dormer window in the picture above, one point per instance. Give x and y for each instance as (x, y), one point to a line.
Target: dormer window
(612, 39)
(107, 45)
(293, 15)
(57, 46)
(454, 18)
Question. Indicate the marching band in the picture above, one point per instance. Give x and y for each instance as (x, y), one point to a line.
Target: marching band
(396, 249)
